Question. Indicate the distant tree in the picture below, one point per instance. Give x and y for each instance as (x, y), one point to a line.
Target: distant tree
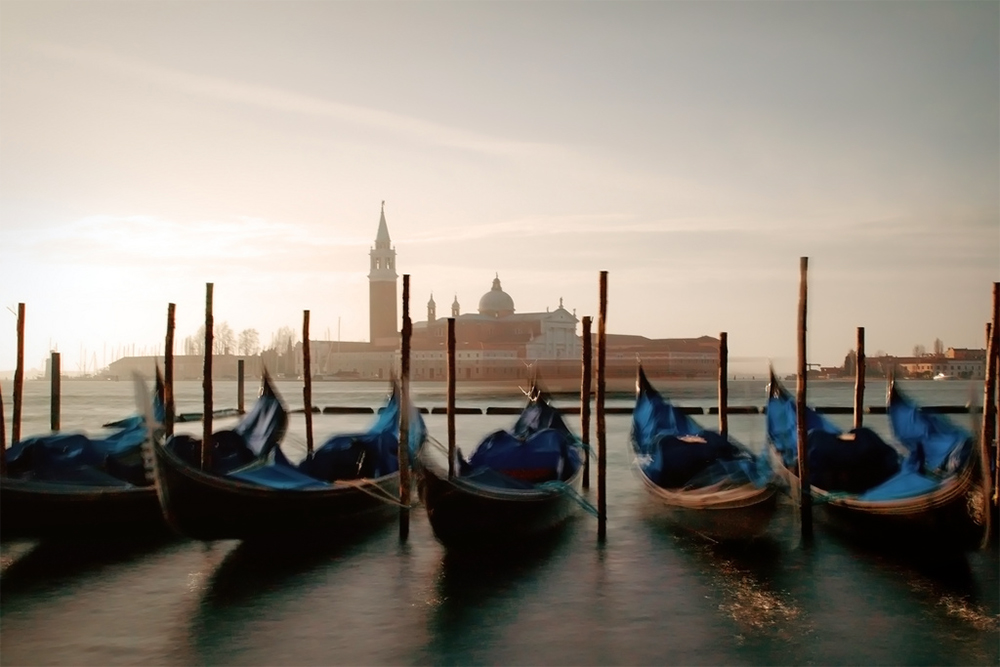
(919, 350)
(283, 338)
(249, 344)
(851, 363)
(938, 348)
(223, 339)
(195, 345)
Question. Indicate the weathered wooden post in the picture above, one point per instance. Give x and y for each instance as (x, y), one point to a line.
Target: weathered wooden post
(451, 397)
(724, 384)
(859, 381)
(805, 495)
(602, 450)
(989, 421)
(404, 416)
(55, 381)
(15, 427)
(168, 374)
(240, 375)
(206, 383)
(585, 381)
(3, 438)
(307, 383)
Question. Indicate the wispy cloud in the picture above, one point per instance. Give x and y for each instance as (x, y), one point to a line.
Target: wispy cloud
(286, 101)
(139, 239)
(612, 224)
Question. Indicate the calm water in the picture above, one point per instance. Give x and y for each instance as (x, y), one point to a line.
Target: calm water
(647, 596)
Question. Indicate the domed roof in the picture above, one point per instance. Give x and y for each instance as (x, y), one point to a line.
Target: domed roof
(496, 302)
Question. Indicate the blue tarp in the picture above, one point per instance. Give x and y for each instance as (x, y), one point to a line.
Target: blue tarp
(935, 439)
(256, 434)
(675, 452)
(781, 425)
(859, 463)
(65, 455)
(79, 459)
(278, 477)
(371, 454)
(538, 448)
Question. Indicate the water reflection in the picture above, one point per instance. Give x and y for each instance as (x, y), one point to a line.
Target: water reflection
(29, 567)
(479, 595)
(260, 586)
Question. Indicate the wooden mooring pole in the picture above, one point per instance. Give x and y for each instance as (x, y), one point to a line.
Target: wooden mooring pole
(859, 380)
(724, 384)
(168, 374)
(404, 417)
(55, 384)
(3, 438)
(602, 450)
(585, 390)
(990, 389)
(206, 384)
(240, 377)
(307, 391)
(805, 496)
(452, 371)
(15, 427)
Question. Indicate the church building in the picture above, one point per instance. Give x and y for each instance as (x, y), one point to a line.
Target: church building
(493, 343)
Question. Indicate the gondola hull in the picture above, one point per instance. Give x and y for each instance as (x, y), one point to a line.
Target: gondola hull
(734, 514)
(31, 509)
(469, 516)
(951, 519)
(730, 505)
(210, 507)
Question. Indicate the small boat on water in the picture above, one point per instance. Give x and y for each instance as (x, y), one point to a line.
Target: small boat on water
(253, 492)
(517, 486)
(926, 491)
(698, 479)
(72, 485)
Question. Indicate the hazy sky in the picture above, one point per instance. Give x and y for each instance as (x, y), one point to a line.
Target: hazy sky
(695, 151)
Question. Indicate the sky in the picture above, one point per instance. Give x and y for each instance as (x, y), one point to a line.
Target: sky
(694, 151)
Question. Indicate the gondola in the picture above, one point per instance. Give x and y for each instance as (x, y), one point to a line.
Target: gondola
(351, 482)
(518, 484)
(80, 487)
(925, 491)
(699, 480)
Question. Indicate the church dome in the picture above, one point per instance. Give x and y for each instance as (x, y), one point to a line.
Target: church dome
(496, 302)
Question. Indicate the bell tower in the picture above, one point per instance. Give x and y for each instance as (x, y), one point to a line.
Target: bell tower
(382, 324)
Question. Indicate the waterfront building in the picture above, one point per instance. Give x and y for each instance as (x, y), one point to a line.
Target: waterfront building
(494, 343)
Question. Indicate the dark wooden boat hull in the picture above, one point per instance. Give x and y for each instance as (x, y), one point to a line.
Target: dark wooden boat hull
(734, 514)
(208, 507)
(467, 516)
(953, 518)
(44, 510)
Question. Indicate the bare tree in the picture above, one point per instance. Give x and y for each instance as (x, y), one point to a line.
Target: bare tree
(919, 350)
(283, 338)
(195, 345)
(249, 342)
(938, 348)
(223, 339)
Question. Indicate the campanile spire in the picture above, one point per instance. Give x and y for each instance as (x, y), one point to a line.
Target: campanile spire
(382, 278)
